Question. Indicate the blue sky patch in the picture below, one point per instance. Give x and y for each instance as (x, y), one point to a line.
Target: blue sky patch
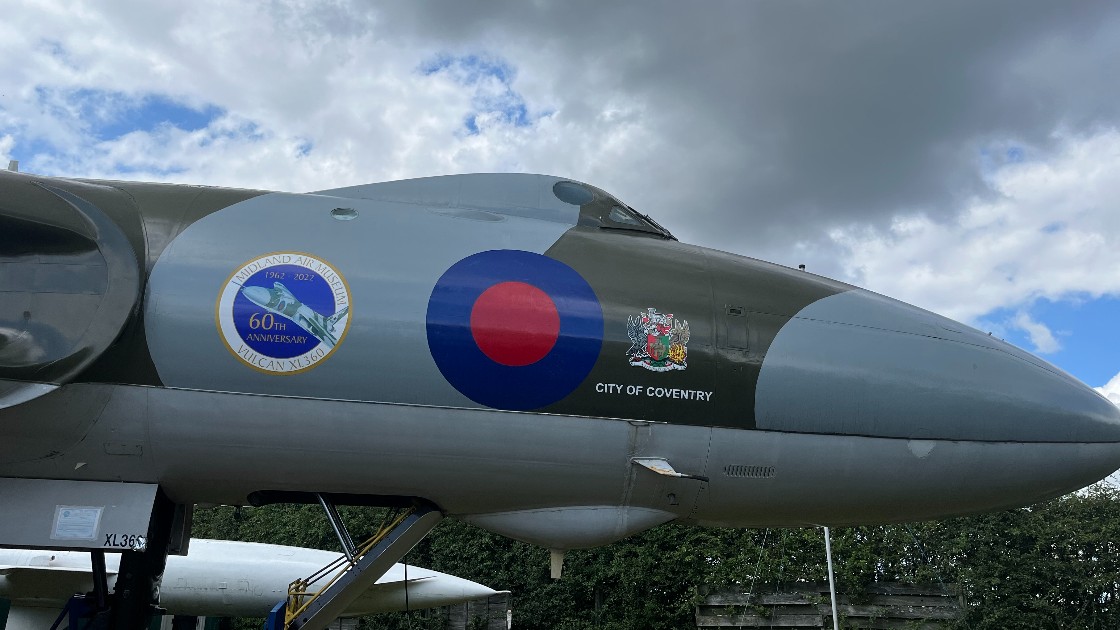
(1087, 329)
(149, 112)
(85, 118)
(471, 123)
(25, 147)
(473, 67)
(106, 114)
(148, 170)
(494, 100)
(992, 158)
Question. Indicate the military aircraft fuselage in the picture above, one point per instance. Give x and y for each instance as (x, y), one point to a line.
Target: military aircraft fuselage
(526, 352)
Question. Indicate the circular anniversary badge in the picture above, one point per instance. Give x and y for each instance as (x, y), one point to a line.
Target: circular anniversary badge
(284, 312)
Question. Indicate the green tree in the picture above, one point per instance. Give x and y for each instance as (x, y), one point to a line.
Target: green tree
(1052, 565)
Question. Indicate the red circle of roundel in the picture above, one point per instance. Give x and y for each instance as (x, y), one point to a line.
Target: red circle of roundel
(515, 323)
(512, 329)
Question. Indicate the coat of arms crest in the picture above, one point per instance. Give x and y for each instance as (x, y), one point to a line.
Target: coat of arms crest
(659, 342)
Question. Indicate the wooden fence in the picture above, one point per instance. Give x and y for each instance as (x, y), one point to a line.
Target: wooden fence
(884, 606)
(489, 613)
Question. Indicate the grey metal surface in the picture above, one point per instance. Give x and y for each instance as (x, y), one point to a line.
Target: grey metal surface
(457, 458)
(13, 393)
(474, 462)
(82, 432)
(40, 428)
(508, 194)
(574, 527)
(61, 514)
(857, 363)
(385, 355)
(846, 480)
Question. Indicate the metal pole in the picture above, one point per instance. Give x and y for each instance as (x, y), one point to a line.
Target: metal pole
(100, 578)
(831, 578)
(339, 527)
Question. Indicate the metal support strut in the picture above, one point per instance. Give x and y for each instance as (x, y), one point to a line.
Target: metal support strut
(338, 526)
(136, 594)
(356, 571)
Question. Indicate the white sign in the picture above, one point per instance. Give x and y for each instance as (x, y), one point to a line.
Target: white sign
(72, 522)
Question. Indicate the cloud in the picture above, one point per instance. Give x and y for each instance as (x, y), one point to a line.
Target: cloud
(775, 121)
(1052, 232)
(1040, 335)
(747, 126)
(958, 156)
(1111, 390)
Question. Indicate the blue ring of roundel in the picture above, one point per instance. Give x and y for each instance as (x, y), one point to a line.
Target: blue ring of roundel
(492, 384)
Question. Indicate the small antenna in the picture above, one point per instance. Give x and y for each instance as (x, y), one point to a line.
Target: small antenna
(801, 266)
(13, 166)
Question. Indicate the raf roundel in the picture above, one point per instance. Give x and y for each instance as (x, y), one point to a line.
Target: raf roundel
(512, 329)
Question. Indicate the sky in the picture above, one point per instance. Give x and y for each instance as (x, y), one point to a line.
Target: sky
(960, 156)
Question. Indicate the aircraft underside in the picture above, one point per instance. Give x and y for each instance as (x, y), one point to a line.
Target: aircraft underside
(545, 465)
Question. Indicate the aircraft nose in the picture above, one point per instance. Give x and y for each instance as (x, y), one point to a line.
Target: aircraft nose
(858, 363)
(256, 295)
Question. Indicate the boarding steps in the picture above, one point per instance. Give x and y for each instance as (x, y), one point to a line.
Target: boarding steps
(356, 571)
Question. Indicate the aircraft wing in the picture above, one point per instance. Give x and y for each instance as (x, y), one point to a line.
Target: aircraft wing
(227, 579)
(44, 585)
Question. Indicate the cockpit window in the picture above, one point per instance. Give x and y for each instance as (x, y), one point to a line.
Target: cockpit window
(621, 217)
(604, 211)
(618, 215)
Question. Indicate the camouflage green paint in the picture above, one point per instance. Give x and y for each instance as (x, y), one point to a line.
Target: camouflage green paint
(715, 292)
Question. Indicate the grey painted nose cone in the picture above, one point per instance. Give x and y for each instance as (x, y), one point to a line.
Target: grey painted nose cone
(858, 363)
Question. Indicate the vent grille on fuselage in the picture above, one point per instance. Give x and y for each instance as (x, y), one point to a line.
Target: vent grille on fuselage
(749, 472)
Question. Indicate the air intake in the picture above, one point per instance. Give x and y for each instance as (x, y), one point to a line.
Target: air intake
(749, 472)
